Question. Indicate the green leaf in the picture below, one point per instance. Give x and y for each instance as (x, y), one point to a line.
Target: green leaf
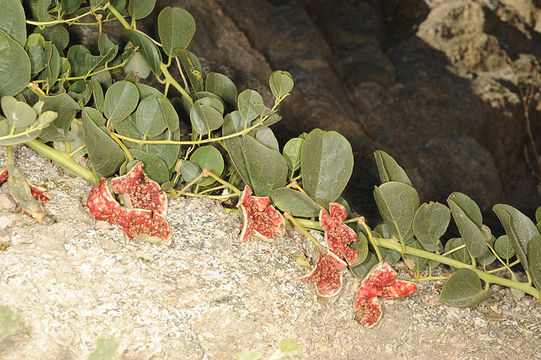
(106, 349)
(77, 55)
(18, 113)
(248, 102)
(120, 100)
(222, 86)
(538, 214)
(489, 257)
(139, 65)
(104, 153)
(106, 47)
(461, 255)
(262, 168)
(147, 48)
(80, 91)
(295, 202)
(9, 322)
(504, 247)
(389, 170)
(167, 152)
(36, 54)
(430, 223)
(96, 3)
(189, 170)
(265, 136)
(42, 10)
(281, 83)
(518, 227)
(463, 289)
(208, 157)
(14, 66)
(70, 6)
(97, 94)
(362, 248)
(191, 64)
(292, 153)
(468, 219)
(397, 203)
(154, 167)
(146, 91)
(214, 101)
(176, 28)
(52, 60)
(205, 118)
(360, 271)
(534, 260)
(64, 106)
(13, 20)
(57, 34)
(326, 164)
(149, 117)
(288, 347)
(139, 9)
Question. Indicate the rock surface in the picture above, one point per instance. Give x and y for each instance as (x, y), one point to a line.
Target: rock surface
(205, 295)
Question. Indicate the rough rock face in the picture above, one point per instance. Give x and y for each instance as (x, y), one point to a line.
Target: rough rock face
(206, 295)
(408, 77)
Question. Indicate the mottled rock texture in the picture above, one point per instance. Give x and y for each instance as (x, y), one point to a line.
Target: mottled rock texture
(206, 295)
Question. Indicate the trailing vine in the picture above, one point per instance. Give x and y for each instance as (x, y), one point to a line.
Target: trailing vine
(93, 115)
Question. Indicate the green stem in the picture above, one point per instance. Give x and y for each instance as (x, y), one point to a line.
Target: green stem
(503, 267)
(371, 238)
(196, 142)
(206, 173)
(393, 244)
(119, 16)
(63, 159)
(297, 224)
(169, 78)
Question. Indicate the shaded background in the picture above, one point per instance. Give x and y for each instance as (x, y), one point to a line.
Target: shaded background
(435, 83)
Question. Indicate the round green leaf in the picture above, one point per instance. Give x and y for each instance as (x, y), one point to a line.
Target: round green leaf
(169, 113)
(360, 271)
(295, 202)
(538, 214)
(189, 170)
(292, 153)
(361, 245)
(139, 9)
(213, 101)
(281, 83)
(70, 6)
(504, 248)
(154, 167)
(247, 103)
(397, 203)
(13, 20)
(146, 90)
(205, 118)
(430, 223)
(138, 64)
(176, 28)
(222, 86)
(120, 100)
(463, 289)
(208, 157)
(57, 34)
(14, 66)
(18, 113)
(149, 117)
(326, 164)
(389, 170)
